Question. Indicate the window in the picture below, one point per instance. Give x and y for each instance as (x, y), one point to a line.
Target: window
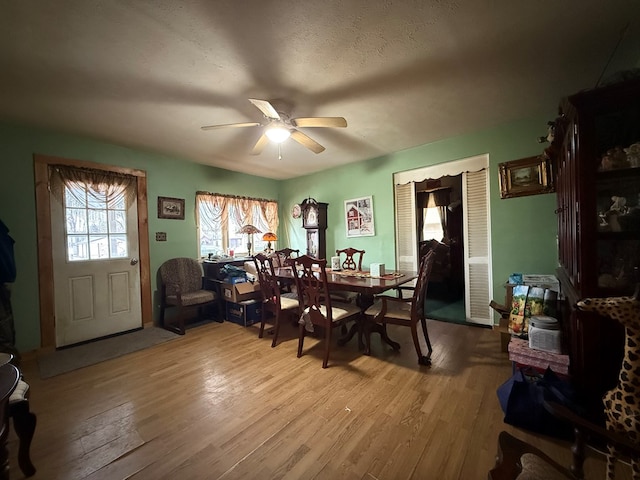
(432, 226)
(220, 217)
(96, 228)
(95, 211)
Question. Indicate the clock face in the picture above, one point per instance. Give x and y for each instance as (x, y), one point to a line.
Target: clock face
(311, 216)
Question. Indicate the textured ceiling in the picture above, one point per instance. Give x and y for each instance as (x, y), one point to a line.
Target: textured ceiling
(149, 74)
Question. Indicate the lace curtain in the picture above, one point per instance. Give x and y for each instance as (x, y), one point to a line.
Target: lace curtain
(217, 208)
(100, 184)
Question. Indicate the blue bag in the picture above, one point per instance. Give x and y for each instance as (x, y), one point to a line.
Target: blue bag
(522, 400)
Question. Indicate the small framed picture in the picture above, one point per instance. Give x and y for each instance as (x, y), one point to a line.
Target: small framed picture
(527, 176)
(171, 208)
(358, 214)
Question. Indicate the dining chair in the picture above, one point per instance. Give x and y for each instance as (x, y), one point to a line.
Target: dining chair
(181, 287)
(273, 302)
(285, 254)
(353, 258)
(283, 258)
(352, 261)
(317, 307)
(406, 312)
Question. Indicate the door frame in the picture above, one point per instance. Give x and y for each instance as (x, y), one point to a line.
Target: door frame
(41, 165)
(456, 167)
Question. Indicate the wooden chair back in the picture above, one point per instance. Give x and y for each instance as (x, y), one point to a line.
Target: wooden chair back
(269, 285)
(284, 255)
(311, 282)
(422, 282)
(353, 260)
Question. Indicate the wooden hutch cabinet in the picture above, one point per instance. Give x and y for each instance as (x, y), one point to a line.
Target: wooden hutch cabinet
(598, 188)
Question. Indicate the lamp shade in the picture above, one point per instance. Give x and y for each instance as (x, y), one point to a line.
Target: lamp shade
(277, 134)
(269, 237)
(249, 229)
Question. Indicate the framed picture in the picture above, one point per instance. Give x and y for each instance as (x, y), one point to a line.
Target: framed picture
(171, 208)
(358, 214)
(527, 176)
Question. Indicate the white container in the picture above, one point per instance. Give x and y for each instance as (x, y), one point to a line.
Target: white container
(545, 334)
(335, 263)
(376, 269)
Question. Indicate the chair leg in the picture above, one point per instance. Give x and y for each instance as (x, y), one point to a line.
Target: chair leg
(301, 339)
(263, 319)
(385, 337)
(162, 309)
(178, 326)
(24, 423)
(423, 322)
(327, 346)
(422, 359)
(276, 328)
(183, 314)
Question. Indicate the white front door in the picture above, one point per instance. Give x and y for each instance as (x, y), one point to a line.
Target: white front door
(96, 268)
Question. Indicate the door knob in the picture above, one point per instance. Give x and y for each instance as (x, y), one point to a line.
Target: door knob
(134, 261)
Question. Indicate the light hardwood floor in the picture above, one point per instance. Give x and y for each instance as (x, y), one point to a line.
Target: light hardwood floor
(219, 403)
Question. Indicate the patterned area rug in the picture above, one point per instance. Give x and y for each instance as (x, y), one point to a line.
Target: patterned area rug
(72, 358)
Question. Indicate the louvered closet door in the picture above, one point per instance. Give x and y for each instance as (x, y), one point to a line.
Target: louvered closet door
(406, 234)
(477, 250)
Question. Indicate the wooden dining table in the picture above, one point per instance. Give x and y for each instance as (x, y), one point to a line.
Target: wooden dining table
(366, 287)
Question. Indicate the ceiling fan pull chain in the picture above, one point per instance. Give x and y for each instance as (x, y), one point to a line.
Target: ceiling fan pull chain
(279, 152)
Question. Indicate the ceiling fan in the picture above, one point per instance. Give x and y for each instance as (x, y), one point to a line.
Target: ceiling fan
(278, 127)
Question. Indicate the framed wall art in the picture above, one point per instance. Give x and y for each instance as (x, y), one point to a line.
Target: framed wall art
(358, 214)
(171, 208)
(527, 176)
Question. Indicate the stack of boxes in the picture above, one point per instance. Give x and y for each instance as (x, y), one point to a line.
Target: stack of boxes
(242, 299)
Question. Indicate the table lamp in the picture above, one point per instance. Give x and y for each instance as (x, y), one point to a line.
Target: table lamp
(249, 230)
(269, 237)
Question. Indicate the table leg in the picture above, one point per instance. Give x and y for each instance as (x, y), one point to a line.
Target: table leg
(24, 423)
(363, 301)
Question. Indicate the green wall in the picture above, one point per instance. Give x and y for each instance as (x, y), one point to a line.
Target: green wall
(523, 229)
(166, 176)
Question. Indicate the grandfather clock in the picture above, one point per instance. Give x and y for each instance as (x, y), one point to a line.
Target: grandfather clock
(314, 220)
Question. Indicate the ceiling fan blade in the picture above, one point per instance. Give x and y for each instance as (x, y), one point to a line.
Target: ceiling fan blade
(260, 144)
(266, 108)
(213, 127)
(307, 141)
(319, 122)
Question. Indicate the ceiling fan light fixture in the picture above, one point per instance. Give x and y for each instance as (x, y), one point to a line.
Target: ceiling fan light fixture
(278, 134)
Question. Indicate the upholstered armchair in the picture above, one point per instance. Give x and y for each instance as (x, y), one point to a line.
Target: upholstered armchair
(182, 288)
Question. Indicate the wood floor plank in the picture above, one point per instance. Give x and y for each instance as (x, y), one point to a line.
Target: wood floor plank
(220, 403)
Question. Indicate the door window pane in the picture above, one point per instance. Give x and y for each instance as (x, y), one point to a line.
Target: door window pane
(96, 226)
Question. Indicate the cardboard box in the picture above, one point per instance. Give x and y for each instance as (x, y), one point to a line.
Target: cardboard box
(244, 313)
(239, 292)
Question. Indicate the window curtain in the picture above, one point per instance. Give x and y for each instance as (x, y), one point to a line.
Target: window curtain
(244, 210)
(438, 198)
(101, 185)
(215, 209)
